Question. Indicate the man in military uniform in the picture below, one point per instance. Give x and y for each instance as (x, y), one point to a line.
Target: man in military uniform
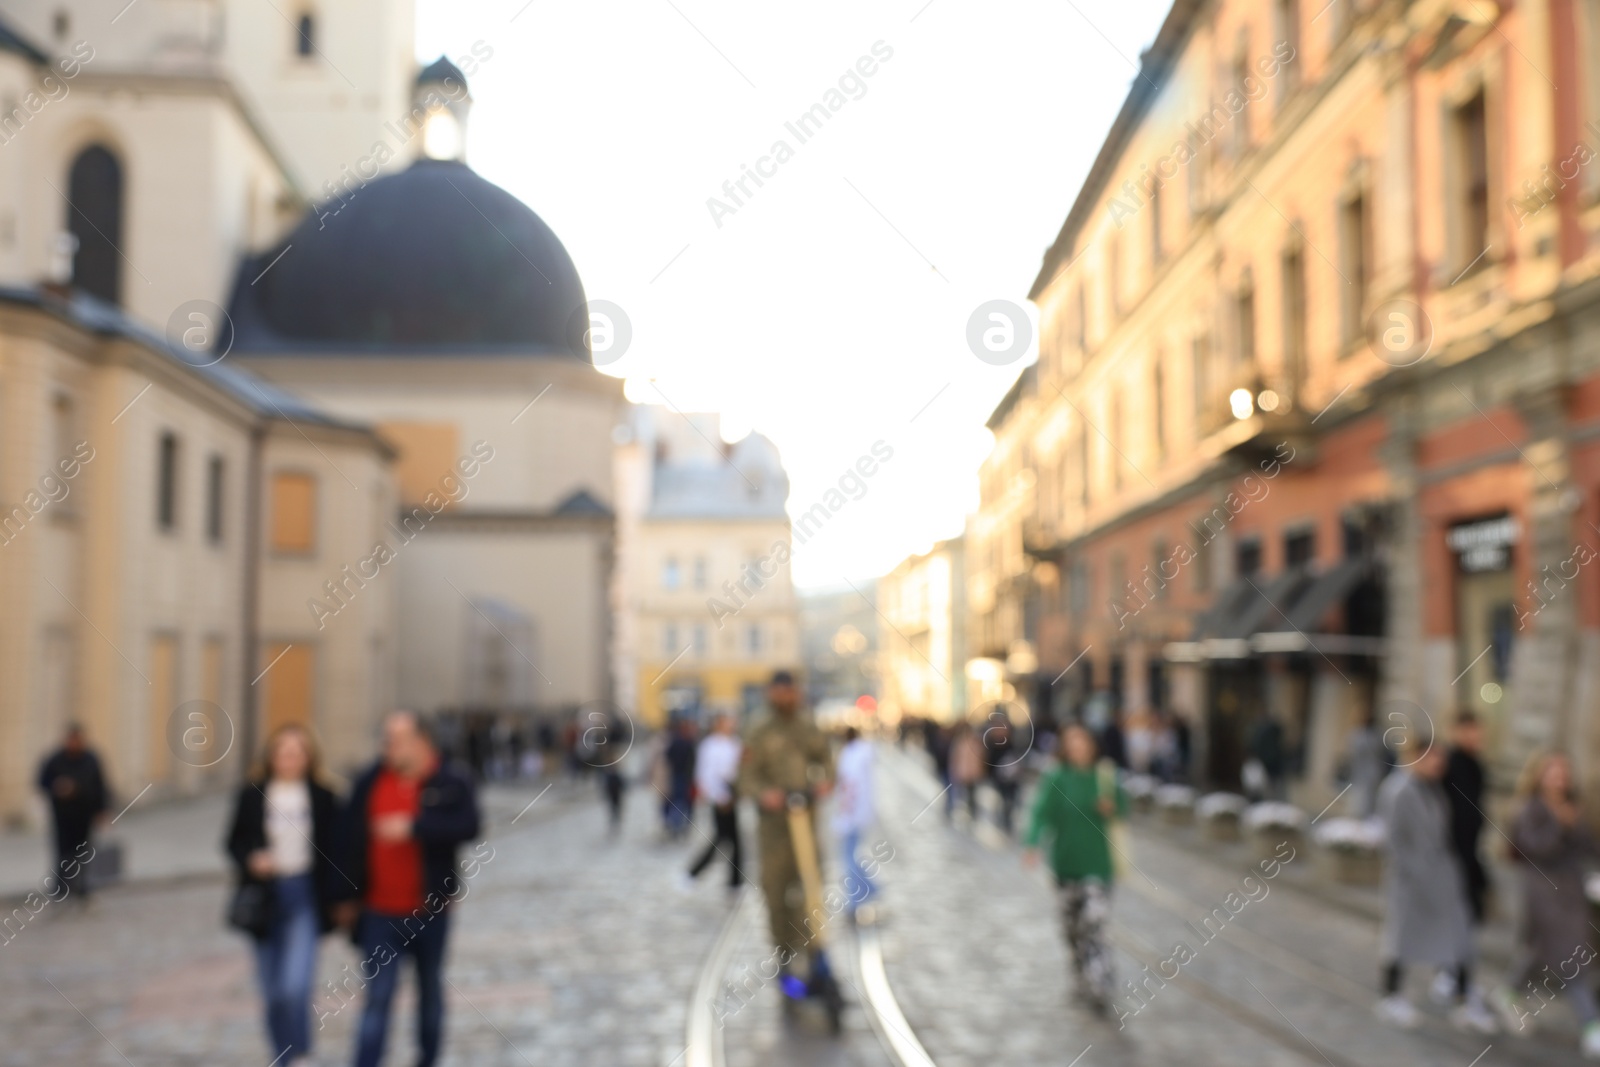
(784, 753)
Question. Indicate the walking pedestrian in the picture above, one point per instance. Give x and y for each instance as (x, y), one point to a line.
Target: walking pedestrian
(72, 780)
(1427, 917)
(1554, 850)
(936, 737)
(607, 754)
(1072, 813)
(282, 840)
(408, 815)
(966, 769)
(1464, 784)
(716, 768)
(679, 760)
(854, 811)
(786, 757)
(1002, 758)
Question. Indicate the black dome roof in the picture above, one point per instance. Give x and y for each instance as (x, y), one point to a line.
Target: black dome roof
(431, 259)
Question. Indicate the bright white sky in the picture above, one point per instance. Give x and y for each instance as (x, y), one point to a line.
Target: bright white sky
(806, 315)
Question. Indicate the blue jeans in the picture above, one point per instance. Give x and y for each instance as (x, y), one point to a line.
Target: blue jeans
(286, 961)
(858, 888)
(385, 939)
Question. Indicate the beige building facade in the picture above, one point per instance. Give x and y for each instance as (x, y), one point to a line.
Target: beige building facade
(1320, 316)
(135, 543)
(708, 608)
(923, 651)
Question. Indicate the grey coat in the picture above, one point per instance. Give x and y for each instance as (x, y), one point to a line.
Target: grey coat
(1555, 912)
(1427, 919)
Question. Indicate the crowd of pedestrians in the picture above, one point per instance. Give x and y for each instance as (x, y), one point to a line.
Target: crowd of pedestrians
(381, 864)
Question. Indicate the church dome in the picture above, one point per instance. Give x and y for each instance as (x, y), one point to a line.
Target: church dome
(430, 260)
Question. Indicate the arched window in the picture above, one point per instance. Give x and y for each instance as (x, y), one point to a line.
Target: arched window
(305, 36)
(94, 217)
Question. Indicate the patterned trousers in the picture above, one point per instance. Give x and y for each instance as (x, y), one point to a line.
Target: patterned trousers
(1085, 911)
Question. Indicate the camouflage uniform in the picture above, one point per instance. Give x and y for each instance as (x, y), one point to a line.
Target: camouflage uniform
(791, 754)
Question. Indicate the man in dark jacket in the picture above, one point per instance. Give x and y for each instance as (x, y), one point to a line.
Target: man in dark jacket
(77, 790)
(1464, 782)
(408, 816)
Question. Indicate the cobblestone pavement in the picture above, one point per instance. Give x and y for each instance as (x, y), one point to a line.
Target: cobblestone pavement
(576, 947)
(573, 947)
(975, 956)
(762, 1029)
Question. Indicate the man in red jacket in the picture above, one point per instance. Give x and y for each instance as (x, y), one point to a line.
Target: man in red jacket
(408, 815)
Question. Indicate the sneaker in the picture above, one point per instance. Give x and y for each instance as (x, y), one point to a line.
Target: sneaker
(1397, 1011)
(1591, 1041)
(1443, 989)
(1474, 1015)
(1508, 1004)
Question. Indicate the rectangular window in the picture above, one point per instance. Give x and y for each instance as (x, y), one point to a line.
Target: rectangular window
(1195, 173)
(1244, 315)
(167, 482)
(1080, 319)
(669, 640)
(1241, 121)
(699, 639)
(1289, 34)
(1204, 387)
(1354, 536)
(65, 434)
(1114, 274)
(214, 498)
(1116, 449)
(1155, 221)
(294, 513)
(163, 699)
(1158, 407)
(1354, 259)
(752, 639)
(671, 576)
(1299, 547)
(290, 684)
(699, 572)
(205, 743)
(1247, 557)
(1083, 467)
(1294, 318)
(1472, 167)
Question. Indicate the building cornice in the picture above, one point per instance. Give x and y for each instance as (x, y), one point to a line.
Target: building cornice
(201, 82)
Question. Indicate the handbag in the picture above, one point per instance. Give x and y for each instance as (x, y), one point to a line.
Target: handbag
(1116, 831)
(252, 908)
(104, 867)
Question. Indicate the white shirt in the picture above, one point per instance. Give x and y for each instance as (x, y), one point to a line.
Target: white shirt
(716, 765)
(852, 797)
(288, 819)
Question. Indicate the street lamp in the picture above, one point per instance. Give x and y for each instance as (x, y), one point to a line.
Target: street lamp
(1242, 403)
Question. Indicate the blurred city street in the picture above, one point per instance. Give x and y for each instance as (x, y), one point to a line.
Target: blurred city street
(576, 947)
(866, 533)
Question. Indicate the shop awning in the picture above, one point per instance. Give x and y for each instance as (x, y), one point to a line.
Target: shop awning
(1250, 605)
(1323, 594)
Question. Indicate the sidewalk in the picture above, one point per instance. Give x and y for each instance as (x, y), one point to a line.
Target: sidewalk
(181, 838)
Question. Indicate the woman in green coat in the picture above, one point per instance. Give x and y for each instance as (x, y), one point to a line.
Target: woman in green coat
(1074, 808)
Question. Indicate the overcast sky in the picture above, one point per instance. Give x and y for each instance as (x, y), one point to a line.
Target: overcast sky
(828, 308)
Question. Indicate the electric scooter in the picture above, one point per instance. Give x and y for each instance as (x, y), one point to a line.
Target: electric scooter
(822, 983)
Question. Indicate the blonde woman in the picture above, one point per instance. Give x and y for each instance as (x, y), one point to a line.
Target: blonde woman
(1553, 850)
(282, 835)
